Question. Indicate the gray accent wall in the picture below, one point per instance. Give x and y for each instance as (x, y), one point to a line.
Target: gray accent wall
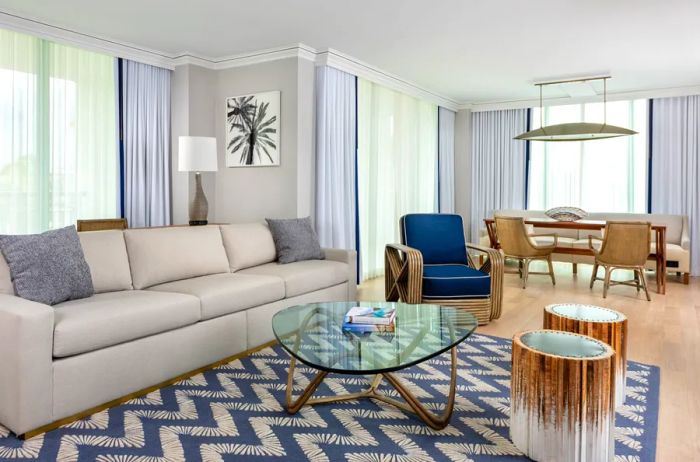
(192, 113)
(248, 194)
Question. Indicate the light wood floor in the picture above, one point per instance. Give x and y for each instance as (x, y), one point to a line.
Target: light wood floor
(664, 332)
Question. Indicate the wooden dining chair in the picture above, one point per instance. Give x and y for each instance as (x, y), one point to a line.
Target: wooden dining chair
(102, 224)
(518, 244)
(626, 245)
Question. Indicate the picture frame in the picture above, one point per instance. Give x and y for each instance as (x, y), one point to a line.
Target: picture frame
(253, 130)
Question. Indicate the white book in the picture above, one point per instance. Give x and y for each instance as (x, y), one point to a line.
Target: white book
(366, 317)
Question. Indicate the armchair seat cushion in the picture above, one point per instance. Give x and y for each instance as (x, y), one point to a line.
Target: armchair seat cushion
(455, 281)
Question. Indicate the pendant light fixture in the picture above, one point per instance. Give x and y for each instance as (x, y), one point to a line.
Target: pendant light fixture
(575, 131)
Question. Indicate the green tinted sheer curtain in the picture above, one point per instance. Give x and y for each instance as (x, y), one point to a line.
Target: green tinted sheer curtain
(58, 137)
(598, 175)
(397, 161)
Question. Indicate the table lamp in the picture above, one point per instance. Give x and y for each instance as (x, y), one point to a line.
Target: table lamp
(197, 154)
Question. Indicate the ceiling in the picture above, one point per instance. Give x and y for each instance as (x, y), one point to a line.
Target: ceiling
(465, 50)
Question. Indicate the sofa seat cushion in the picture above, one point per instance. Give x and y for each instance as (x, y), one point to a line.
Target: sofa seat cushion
(302, 277)
(226, 293)
(455, 281)
(111, 318)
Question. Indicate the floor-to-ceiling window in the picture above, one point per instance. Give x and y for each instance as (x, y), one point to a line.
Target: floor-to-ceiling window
(58, 135)
(598, 175)
(397, 160)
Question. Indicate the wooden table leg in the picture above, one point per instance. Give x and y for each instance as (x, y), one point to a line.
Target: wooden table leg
(661, 260)
(411, 404)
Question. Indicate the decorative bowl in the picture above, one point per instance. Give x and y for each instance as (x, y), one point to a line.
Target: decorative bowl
(566, 213)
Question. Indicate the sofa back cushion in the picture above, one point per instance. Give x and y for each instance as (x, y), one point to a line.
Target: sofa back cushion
(248, 244)
(674, 223)
(159, 255)
(105, 253)
(5, 278)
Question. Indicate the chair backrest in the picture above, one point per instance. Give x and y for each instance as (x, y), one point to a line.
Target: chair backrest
(102, 224)
(626, 243)
(512, 235)
(438, 236)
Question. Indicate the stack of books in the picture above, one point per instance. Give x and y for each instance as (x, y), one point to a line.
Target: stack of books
(361, 319)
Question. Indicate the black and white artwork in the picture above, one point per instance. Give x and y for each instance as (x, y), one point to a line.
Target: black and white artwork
(253, 130)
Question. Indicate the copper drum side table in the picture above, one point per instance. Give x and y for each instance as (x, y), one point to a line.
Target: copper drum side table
(562, 405)
(604, 324)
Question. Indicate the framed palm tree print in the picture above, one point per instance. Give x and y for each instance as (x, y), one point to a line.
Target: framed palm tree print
(253, 130)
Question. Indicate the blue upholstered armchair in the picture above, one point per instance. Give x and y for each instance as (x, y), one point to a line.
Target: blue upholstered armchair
(432, 265)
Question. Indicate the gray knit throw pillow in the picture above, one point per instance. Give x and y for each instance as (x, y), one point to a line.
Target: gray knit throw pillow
(295, 240)
(48, 268)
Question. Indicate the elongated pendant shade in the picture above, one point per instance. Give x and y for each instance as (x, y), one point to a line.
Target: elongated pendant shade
(575, 131)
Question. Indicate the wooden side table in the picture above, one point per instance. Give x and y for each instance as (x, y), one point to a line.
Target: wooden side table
(562, 406)
(604, 324)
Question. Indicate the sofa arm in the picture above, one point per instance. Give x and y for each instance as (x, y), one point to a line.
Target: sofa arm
(349, 257)
(685, 234)
(26, 356)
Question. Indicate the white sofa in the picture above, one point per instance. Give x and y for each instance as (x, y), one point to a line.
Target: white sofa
(677, 236)
(167, 301)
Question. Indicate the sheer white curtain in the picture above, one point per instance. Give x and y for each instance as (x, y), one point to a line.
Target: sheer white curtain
(675, 164)
(58, 135)
(598, 175)
(336, 155)
(397, 160)
(146, 138)
(446, 162)
(498, 165)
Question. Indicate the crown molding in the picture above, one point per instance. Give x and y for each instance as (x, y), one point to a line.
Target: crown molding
(328, 57)
(297, 50)
(352, 65)
(134, 52)
(559, 101)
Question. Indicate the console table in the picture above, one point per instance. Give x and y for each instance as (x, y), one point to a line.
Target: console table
(659, 256)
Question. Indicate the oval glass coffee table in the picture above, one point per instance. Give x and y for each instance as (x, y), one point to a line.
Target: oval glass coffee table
(313, 334)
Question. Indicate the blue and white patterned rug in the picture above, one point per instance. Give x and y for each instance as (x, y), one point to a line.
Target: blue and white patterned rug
(235, 412)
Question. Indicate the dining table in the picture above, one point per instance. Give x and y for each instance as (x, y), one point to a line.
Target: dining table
(658, 254)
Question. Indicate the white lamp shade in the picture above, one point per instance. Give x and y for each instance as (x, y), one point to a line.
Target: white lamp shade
(197, 154)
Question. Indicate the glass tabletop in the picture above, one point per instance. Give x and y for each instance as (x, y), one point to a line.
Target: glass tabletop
(586, 312)
(564, 344)
(314, 335)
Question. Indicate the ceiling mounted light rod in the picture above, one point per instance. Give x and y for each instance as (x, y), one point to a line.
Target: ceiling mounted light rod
(575, 131)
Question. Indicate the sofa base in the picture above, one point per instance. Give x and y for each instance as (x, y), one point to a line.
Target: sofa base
(140, 393)
(110, 376)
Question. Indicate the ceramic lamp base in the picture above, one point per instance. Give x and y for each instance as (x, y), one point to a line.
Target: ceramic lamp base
(199, 207)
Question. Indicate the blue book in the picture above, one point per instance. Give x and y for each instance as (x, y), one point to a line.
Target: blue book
(364, 328)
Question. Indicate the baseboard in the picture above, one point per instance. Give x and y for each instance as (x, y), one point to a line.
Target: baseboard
(137, 394)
